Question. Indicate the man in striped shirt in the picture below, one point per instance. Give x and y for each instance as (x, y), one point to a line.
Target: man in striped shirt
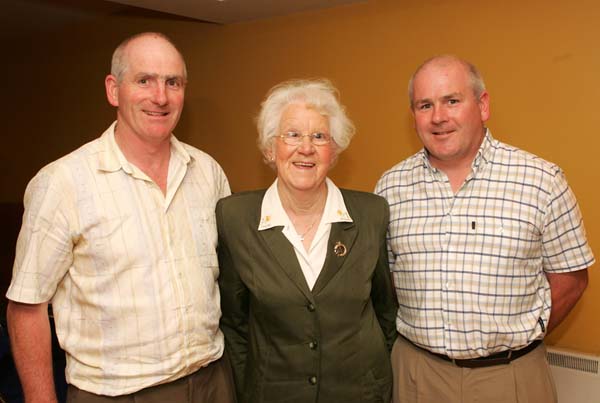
(487, 250)
(120, 236)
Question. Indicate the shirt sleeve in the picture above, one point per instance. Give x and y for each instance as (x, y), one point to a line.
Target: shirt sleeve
(380, 191)
(564, 244)
(44, 247)
(224, 189)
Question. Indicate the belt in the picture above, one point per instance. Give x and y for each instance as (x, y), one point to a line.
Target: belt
(501, 358)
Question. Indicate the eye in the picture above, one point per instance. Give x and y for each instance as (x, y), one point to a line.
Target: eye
(143, 81)
(453, 101)
(292, 135)
(174, 83)
(424, 106)
(319, 136)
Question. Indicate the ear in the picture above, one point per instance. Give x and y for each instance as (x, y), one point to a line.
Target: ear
(112, 90)
(412, 112)
(270, 152)
(484, 106)
(270, 156)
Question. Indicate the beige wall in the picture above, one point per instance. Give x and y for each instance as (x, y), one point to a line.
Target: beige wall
(540, 60)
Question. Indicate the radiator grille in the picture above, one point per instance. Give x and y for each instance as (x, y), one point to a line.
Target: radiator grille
(566, 360)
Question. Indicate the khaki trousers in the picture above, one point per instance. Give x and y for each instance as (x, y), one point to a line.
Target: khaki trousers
(420, 377)
(210, 384)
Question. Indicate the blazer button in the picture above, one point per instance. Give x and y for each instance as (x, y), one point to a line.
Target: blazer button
(310, 307)
(312, 380)
(312, 345)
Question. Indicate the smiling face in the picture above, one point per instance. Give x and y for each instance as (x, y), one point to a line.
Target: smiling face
(303, 167)
(150, 95)
(449, 117)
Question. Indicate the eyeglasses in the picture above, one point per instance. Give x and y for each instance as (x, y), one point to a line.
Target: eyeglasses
(295, 138)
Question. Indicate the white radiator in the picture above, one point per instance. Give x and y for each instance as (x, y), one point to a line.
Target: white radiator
(577, 375)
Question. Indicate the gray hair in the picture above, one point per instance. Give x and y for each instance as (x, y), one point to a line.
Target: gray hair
(319, 94)
(477, 84)
(119, 62)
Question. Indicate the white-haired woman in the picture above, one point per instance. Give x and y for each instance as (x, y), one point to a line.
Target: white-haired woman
(307, 300)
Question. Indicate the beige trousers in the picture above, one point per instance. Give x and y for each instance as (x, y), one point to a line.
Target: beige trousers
(420, 377)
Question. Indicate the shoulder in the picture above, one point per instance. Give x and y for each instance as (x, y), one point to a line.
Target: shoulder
(206, 170)
(239, 210)
(365, 205)
(201, 158)
(67, 167)
(511, 156)
(362, 198)
(404, 172)
(240, 202)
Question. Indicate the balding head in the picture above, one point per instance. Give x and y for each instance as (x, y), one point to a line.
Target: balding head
(120, 61)
(476, 81)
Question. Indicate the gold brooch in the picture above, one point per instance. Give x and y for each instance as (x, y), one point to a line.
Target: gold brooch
(340, 249)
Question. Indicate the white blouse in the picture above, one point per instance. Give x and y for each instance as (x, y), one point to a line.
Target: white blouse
(311, 261)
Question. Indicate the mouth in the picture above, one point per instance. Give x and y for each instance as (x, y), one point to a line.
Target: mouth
(442, 132)
(157, 114)
(304, 165)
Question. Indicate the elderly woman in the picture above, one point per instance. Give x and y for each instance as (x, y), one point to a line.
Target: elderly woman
(308, 304)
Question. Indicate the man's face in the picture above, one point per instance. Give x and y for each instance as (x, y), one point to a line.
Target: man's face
(151, 92)
(449, 118)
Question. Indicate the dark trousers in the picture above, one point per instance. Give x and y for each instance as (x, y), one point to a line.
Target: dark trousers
(210, 384)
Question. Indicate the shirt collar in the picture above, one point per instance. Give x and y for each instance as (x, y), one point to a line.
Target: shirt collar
(112, 158)
(485, 150)
(272, 213)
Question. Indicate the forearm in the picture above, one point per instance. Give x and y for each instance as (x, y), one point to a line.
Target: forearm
(566, 289)
(383, 296)
(29, 331)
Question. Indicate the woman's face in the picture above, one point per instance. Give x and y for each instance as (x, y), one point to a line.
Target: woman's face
(302, 167)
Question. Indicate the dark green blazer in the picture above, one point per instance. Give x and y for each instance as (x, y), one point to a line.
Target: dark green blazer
(288, 344)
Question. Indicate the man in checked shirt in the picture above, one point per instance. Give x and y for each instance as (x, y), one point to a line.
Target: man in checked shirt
(487, 249)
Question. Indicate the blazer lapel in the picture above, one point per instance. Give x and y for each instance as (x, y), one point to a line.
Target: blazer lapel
(284, 253)
(344, 235)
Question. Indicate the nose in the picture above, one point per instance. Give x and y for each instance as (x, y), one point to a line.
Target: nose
(438, 115)
(159, 95)
(306, 146)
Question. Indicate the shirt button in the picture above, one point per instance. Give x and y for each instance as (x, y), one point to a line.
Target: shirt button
(312, 380)
(312, 345)
(310, 307)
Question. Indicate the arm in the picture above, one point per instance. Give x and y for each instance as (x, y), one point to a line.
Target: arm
(566, 289)
(383, 294)
(565, 251)
(29, 331)
(234, 307)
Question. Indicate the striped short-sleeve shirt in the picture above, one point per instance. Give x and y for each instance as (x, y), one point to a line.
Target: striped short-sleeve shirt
(131, 272)
(469, 267)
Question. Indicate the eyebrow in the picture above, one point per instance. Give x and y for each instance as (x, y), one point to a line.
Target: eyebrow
(444, 97)
(452, 95)
(154, 75)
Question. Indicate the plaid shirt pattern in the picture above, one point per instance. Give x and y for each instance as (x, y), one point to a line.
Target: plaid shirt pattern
(469, 267)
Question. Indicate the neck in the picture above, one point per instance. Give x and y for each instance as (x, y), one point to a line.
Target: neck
(456, 174)
(302, 203)
(304, 208)
(152, 158)
(457, 169)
